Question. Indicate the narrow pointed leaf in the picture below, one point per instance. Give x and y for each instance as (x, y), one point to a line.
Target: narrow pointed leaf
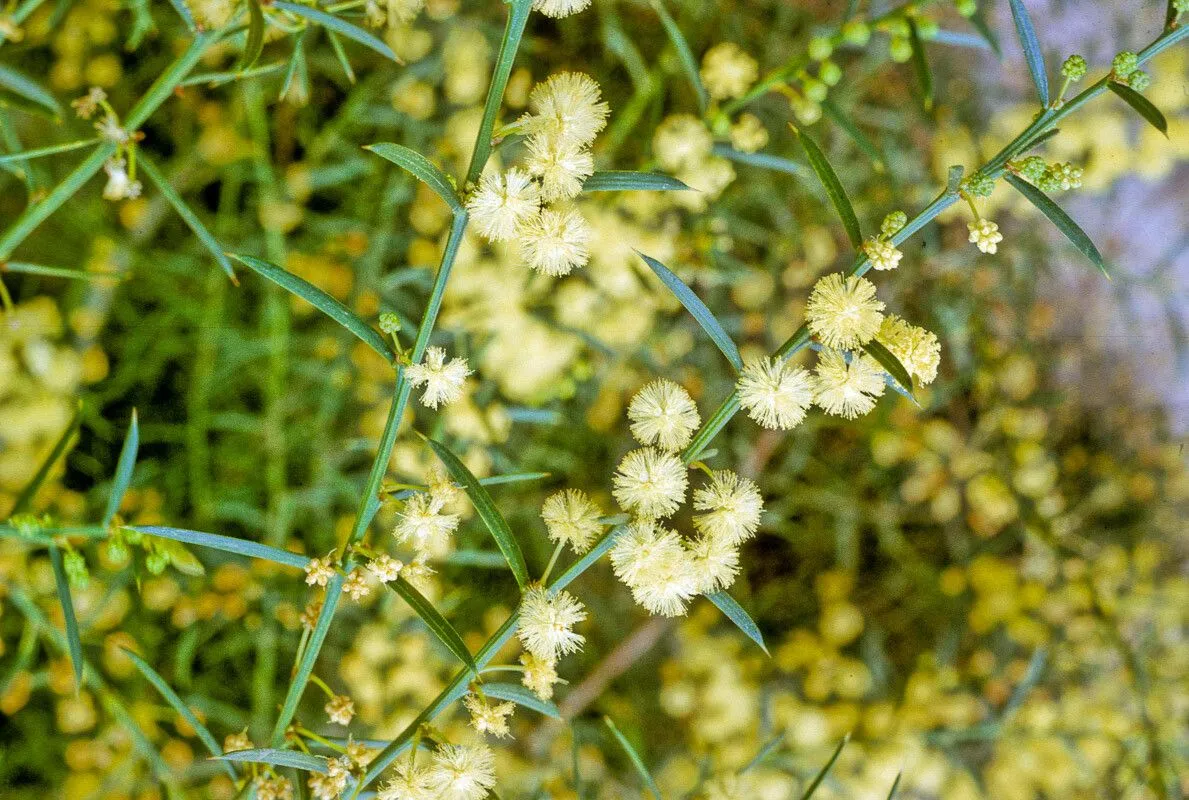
(1063, 221)
(57, 272)
(341, 55)
(255, 41)
(889, 362)
(856, 134)
(1142, 105)
(833, 186)
(694, 305)
(686, 56)
(984, 30)
(25, 498)
(40, 152)
(821, 776)
(124, 469)
(183, 710)
(74, 643)
(187, 214)
(228, 544)
(735, 613)
(339, 26)
(920, 65)
(634, 757)
(434, 621)
(320, 300)
(422, 168)
(278, 758)
(583, 564)
(521, 697)
(621, 180)
(1032, 52)
(303, 669)
(28, 89)
(895, 786)
(487, 511)
(768, 749)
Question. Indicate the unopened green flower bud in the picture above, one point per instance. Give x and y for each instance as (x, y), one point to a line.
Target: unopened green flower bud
(856, 32)
(829, 73)
(966, 8)
(815, 90)
(896, 26)
(978, 185)
(389, 322)
(75, 567)
(1032, 168)
(1074, 68)
(132, 535)
(1062, 177)
(25, 524)
(893, 223)
(1139, 80)
(156, 563)
(900, 49)
(1124, 64)
(807, 112)
(820, 48)
(927, 28)
(117, 550)
(1180, 6)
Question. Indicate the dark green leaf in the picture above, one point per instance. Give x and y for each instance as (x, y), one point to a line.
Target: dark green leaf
(187, 214)
(28, 89)
(521, 697)
(25, 498)
(254, 43)
(320, 300)
(422, 168)
(1031, 45)
(688, 63)
(1142, 105)
(1059, 218)
(829, 179)
(278, 758)
(621, 180)
(331, 22)
(920, 65)
(889, 362)
(228, 544)
(73, 641)
(487, 511)
(694, 305)
(183, 710)
(895, 786)
(434, 621)
(124, 469)
(727, 605)
(634, 757)
(821, 776)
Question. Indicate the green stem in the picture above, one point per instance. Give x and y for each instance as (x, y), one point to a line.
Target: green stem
(552, 561)
(517, 19)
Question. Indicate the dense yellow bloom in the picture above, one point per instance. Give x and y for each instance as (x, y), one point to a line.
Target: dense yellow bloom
(487, 717)
(569, 106)
(663, 414)
(540, 674)
(547, 623)
(731, 507)
(556, 241)
(654, 564)
(650, 483)
(847, 389)
(843, 312)
(573, 518)
(442, 379)
(422, 525)
(727, 71)
(774, 392)
(562, 165)
(503, 202)
(462, 772)
(916, 348)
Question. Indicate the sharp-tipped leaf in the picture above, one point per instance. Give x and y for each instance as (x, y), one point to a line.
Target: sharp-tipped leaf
(888, 361)
(320, 300)
(228, 544)
(40, 152)
(305, 667)
(694, 305)
(1142, 105)
(920, 65)
(254, 43)
(521, 697)
(833, 186)
(1063, 221)
(25, 498)
(895, 786)
(1031, 45)
(487, 511)
(855, 133)
(434, 621)
(339, 26)
(634, 757)
(278, 758)
(735, 613)
(74, 643)
(124, 468)
(422, 168)
(688, 63)
(29, 90)
(984, 30)
(187, 214)
(623, 180)
(821, 776)
(175, 701)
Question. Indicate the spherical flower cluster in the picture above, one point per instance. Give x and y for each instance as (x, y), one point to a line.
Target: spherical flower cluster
(916, 348)
(340, 709)
(319, 571)
(547, 621)
(1074, 68)
(730, 506)
(650, 483)
(748, 134)
(556, 241)
(540, 674)
(882, 253)
(489, 717)
(774, 392)
(847, 389)
(423, 526)
(457, 772)
(663, 414)
(843, 312)
(442, 379)
(273, 788)
(727, 71)
(330, 784)
(385, 568)
(237, 741)
(986, 235)
(572, 518)
(683, 145)
(503, 203)
(356, 585)
(654, 564)
(560, 8)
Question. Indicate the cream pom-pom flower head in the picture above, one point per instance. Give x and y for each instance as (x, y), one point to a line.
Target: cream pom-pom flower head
(655, 565)
(572, 518)
(776, 394)
(847, 389)
(503, 202)
(843, 312)
(663, 414)
(731, 507)
(650, 483)
(560, 8)
(916, 348)
(461, 772)
(547, 623)
(555, 241)
(568, 105)
(442, 379)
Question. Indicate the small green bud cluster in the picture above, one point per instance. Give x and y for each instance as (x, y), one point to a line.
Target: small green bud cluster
(1139, 80)
(966, 8)
(829, 73)
(389, 322)
(29, 525)
(1180, 6)
(1074, 68)
(856, 32)
(75, 567)
(1061, 177)
(978, 185)
(1124, 64)
(900, 49)
(893, 223)
(820, 48)
(1031, 168)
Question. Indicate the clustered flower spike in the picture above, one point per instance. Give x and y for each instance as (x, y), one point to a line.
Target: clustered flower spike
(663, 414)
(330, 784)
(654, 564)
(442, 379)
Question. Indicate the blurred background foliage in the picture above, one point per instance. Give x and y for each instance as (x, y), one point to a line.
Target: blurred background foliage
(989, 593)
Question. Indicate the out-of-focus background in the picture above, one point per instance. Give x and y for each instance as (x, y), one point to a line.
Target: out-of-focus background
(989, 593)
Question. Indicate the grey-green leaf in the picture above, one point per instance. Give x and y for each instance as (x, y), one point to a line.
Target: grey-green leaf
(856, 134)
(254, 43)
(1142, 105)
(320, 300)
(833, 186)
(422, 168)
(278, 758)
(521, 697)
(694, 305)
(124, 469)
(228, 544)
(1031, 45)
(821, 776)
(984, 30)
(339, 26)
(1063, 221)
(434, 621)
(487, 511)
(688, 63)
(895, 786)
(28, 89)
(735, 613)
(624, 180)
(888, 361)
(634, 757)
(41, 152)
(187, 214)
(73, 641)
